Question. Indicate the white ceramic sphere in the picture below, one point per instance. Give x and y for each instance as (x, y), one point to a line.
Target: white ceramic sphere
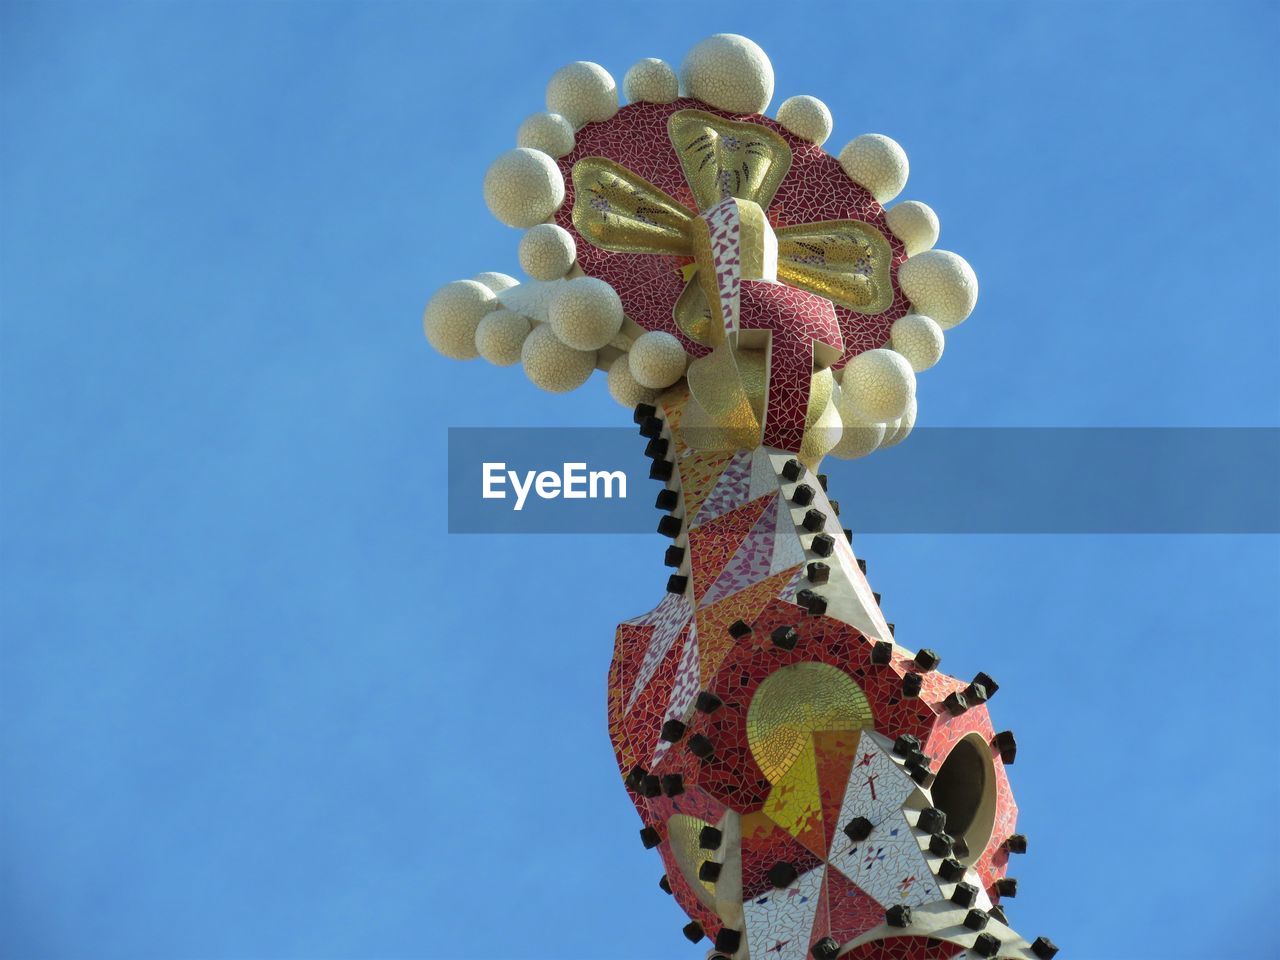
(623, 386)
(585, 313)
(940, 284)
(523, 187)
(551, 364)
(915, 224)
(582, 92)
(651, 81)
(657, 359)
(857, 437)
(500, 336)
(807, 117)
(497, 282)
(898, 431)
(452, 316)
(877, 385)
(730, 73)
(548, 132)
(547, 251)
(919, 339)
(876, 162)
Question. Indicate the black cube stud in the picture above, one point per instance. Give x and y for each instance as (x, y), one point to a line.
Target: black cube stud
(835, 506)
(707, 702)
(976, 919)
(932, 820)
(739, 629)
(1044, 948)
(951, 870)
(823, 545)
(858, 829)
(876, 597)
(960, 847)
(656, 449)
(643, 412)
(985, 679)
(667, 500)
(693, 931)
(669, 526)
(728, 940)
(825, 949)
(792, 469)
(927, 660)
(862, 565)
(665, 884)
(785, 637)
(986, 945)
(848, 535)
(650, 838)
(710, 838)
(814, 520)
(822, 480)
(802, 495)
(911, 684)
(956, 703)
(940, 844)
(965, 895)
(892, 629)
(661, 470)
(882, 652)
(817, 606)
(1007, 886)
(677, 583)
(899, 915)
(701, 747)
(1017, 843)
(1006, 744)
(976, 694)
(651, 786)
(709, 872)
(650, 427)
(673, 557)
(818, 572)
(673, 784)
(906, 745)
(672, 730)
(635, 778)
(997, 911)
(781, 874)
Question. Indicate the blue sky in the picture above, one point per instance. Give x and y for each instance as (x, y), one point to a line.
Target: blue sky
(258, 704)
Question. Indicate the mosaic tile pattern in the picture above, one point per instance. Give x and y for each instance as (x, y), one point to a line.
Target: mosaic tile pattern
(788, 726)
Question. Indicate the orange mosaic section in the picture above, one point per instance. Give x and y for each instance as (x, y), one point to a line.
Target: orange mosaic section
(713, 544)
(714, 642)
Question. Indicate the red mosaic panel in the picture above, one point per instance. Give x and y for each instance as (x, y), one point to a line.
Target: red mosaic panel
(713, 544)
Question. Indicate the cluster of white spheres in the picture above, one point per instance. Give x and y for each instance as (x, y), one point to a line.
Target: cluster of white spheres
(500, 336)
(729, 72)
(453, 314)
(877, 385)
(523, 187)
(582, 92)
(552, 364)
(651, 81)
(585, 313)
(876, 162)
(657, 359)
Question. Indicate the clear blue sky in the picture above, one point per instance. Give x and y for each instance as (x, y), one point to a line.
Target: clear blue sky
(256, 702)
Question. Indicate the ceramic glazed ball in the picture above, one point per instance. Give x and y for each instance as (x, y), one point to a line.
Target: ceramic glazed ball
(900, 428)
(941, 285)
(452, 316)
(730, 73)
(919, 339)
(876, 162)
(547, 252)
(548, 132)
(651, 81)
(497, 282)
(552, 365)
(807, 117)
(523, 187)
(657, 359)
(877, 385)
(500, 336)
(585, 313)
(915, 224)
(582, 92)
(624, 388)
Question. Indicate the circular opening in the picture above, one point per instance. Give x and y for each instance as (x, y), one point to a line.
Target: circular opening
(965, 790)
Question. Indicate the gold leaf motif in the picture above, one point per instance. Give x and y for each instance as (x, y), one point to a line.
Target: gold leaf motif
(728, 158)
(616, 209)
(846, 261)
